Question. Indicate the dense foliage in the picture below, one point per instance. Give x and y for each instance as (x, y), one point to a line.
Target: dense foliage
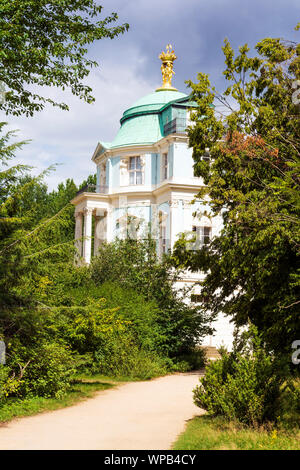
(244, 385)
(252, 182)
(43, 43)
(135, 265)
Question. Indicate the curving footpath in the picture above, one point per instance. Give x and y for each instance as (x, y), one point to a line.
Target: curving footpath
(136, 415)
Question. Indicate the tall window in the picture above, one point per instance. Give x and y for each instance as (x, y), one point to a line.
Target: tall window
(135, 170)
(165, 166)
(203, 236)
(162, 233)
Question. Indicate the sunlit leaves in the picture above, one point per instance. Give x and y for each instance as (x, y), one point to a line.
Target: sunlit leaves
(252, 178)
(44, 43)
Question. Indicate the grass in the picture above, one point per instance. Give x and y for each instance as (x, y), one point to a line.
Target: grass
(81, 389)
(105, 378)
(214, 433)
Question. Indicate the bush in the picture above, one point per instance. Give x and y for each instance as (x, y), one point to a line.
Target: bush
(49, 371)
(244, 385)
(139, 316)
(9, 384)
(134, 265)
(120, 356)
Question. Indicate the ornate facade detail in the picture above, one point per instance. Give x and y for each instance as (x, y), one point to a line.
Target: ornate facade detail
(167, 71)
(103, 181)
(88, 211)
(143, 161)
(173, 203)
(124, 176)
(187, 203)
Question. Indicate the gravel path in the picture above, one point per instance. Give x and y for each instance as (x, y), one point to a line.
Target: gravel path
(137, 415)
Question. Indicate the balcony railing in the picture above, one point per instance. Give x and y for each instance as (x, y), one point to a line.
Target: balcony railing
(176, 126)
(93, 188)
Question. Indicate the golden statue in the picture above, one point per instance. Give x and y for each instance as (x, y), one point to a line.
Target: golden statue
(167, 71)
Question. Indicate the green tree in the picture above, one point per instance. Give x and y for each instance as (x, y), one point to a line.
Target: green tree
(44, 43)
(252, 180)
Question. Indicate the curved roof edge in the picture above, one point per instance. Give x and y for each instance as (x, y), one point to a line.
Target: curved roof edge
(153, 102)
(154, 109)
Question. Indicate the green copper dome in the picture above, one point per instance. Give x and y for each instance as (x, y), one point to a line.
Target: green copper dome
(153, 102)
(141, 124)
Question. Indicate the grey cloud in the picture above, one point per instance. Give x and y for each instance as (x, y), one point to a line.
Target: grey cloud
(129, 68)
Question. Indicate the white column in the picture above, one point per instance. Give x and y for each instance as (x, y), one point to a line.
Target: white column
(78, 234)
(100, 229)
(109, 227)
(97, 234)
(87, 240)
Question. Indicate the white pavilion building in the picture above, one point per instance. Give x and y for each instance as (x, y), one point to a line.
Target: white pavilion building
(145, 181)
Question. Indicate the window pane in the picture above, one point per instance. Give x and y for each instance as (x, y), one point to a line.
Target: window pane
(207, 235)
(131, 177)
(132, 163)
(138, 163)
(138, 177)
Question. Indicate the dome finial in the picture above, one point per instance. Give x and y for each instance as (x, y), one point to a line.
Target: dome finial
(167, 71)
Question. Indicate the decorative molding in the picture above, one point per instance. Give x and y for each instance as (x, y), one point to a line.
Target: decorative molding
(173, 203)
(139, 149)
(88, 211)
(124, 175)
(138, 204)
(143, 160)
(187, 203)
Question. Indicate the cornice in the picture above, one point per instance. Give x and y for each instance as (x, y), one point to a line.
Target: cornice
(170, 185)
(92, 196)
(154, 191)
(131, 150)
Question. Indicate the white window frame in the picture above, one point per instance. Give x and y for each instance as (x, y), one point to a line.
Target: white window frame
(163, 246)
(203, 235)
(137, 169)
(165, 166)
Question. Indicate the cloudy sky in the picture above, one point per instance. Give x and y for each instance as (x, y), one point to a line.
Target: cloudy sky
(129, 68)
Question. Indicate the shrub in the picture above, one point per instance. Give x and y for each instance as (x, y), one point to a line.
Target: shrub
(243, 385)
(83, 326)
(49, 371)
(120, 356)
(137, 315)
(134, 265)
(9, 384)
